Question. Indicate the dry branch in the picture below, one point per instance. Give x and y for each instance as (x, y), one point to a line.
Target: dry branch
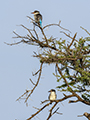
(85, 30)
(36, 83)
(50, 114)
(72, 40)
(56, 25)
(62, 75)
(38, 111)
(68, 35)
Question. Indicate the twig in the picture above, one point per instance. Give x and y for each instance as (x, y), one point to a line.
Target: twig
(44, 101)
(14, 43)
(68, 35)
(38, 111)
(32, 82)
(30, 18)
(50, 114)
(36, 72)
(55, 111)
(72, 40)
(56, 25)
(59, 113)
(36, 108)
(23, 94)
(80, 115)
(62, 75)
(85, 30)
(73, 101)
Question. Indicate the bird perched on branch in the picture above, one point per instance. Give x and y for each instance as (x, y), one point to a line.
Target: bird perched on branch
(37, 17)
(52, 95)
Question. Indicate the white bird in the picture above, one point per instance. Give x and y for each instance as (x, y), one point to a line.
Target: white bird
(52, 95)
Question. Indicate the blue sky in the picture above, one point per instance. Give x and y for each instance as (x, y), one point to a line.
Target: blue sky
(17, 63)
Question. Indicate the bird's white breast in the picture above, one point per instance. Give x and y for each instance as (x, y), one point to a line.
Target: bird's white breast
(53, 96)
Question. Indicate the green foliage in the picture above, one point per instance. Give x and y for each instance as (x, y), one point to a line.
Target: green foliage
(72, 57)
(74, 63)
(76, 70)
(86, 97)
(69, 89)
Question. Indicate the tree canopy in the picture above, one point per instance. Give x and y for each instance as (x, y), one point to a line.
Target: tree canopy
(71, 59)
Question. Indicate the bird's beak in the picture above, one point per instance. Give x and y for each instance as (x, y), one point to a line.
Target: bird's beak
(49, 91)
(32, 12)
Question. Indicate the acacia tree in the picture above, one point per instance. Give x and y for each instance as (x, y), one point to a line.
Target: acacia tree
(71, 59)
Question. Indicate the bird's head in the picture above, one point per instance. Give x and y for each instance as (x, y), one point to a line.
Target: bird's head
(52, 90)
(35, 12)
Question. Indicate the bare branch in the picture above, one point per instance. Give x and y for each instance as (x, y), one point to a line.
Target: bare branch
(50, 114)
(36, 108)
(87, 115)
(30, 18)
(55, 111)
(36, 83)
(73, 101)
(44, 35)
(56, 102)
(36, 33)
(23, 94)
(80, 99)
(32, 82)
(85, 30)
(38, 111)
(80, 115)
(59, 113)
(56, 25)
(68, 35)
(14, 43)
(44, 101)
(36, 73)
